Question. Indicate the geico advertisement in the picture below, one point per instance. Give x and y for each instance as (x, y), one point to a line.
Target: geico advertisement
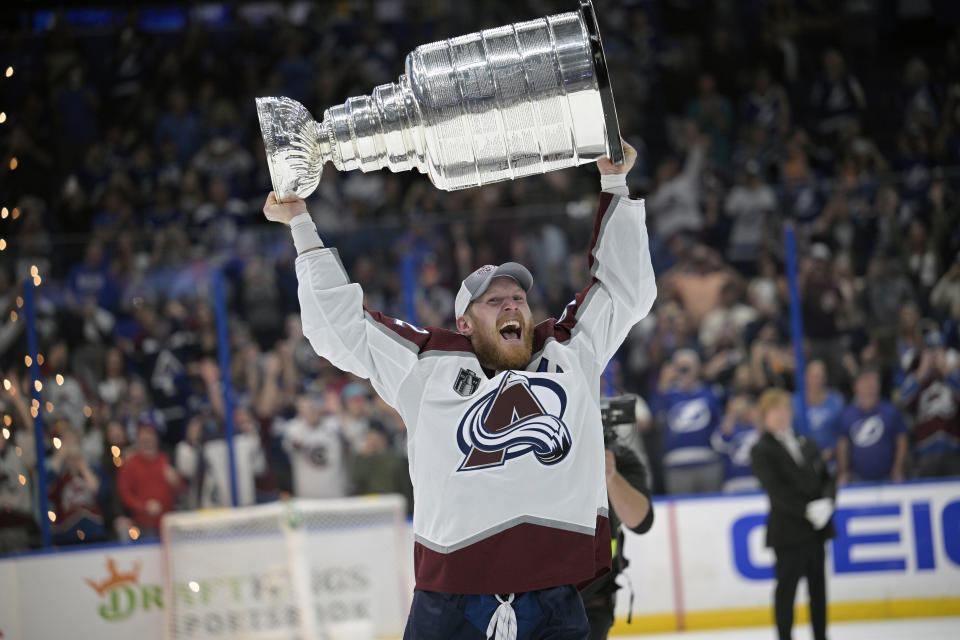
(893, 542)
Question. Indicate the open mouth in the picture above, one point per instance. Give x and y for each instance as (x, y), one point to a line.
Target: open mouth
(510, 331)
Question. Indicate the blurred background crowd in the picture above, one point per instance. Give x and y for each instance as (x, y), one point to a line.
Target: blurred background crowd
(133, 171)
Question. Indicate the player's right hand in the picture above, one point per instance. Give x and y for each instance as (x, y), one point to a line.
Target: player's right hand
(629, 157)
(283, 211)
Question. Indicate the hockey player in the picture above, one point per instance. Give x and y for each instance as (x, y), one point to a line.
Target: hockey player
(504, 435)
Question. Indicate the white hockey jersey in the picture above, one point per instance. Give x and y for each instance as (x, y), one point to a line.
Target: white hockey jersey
(318, 455)
(507, 470)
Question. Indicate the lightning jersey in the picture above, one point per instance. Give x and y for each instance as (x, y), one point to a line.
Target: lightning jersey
(507, 470)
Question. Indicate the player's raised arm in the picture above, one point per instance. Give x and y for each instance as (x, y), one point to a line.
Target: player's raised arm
(622, 287)
(331, 307)
(294, 214)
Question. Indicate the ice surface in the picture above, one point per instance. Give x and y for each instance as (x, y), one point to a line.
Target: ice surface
(917, 628)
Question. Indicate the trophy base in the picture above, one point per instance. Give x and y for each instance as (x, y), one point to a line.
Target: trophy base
(611, 125)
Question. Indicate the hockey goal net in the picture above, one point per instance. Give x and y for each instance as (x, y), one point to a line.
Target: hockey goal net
(301, 569)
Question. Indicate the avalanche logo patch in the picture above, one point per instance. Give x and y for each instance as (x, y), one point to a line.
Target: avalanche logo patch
(524, 415)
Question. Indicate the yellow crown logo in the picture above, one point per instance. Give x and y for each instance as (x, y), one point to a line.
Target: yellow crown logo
(115, 578)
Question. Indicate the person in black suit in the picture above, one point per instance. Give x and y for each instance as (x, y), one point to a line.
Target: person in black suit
(802, 493)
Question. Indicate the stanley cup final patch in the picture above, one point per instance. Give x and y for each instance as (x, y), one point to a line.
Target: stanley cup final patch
(466, 383)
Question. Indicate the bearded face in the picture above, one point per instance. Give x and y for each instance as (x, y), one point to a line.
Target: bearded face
(508, 345)
(500, 326)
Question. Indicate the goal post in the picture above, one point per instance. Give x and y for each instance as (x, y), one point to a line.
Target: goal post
(299, 569)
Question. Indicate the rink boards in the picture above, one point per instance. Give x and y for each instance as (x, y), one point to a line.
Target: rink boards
(702, 565)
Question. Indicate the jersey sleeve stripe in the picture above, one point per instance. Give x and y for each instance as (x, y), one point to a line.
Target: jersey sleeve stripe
(563, 329)
(394, 334)
(606, 199)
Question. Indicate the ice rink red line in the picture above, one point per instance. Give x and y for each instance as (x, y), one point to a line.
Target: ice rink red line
(675, 566)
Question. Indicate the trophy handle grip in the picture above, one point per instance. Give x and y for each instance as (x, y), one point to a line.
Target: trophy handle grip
(614, 145)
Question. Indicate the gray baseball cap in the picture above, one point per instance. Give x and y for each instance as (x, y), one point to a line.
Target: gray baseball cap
(477, 282)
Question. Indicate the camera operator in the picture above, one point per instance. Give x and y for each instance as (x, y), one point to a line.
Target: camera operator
(629, 502)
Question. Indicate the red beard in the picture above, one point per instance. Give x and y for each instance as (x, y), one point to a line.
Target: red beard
(497, 354)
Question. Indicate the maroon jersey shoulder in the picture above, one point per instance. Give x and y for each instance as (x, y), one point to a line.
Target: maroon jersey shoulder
(428, 339)
(560, 330)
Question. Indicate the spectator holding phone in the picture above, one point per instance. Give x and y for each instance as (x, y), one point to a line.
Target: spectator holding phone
(689, 413)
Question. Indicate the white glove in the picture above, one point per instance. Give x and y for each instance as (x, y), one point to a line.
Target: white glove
(819, 512)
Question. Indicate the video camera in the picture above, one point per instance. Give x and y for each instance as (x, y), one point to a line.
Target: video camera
(614, 412)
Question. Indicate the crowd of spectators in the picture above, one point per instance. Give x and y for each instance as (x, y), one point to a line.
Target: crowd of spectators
(133, 173)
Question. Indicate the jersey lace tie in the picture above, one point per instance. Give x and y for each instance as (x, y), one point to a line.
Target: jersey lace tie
(504, 621)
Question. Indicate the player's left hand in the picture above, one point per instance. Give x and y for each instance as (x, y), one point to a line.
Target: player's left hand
(629, 157)
(610, 464)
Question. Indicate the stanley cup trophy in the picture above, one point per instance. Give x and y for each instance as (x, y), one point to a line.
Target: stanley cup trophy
(500, 104)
